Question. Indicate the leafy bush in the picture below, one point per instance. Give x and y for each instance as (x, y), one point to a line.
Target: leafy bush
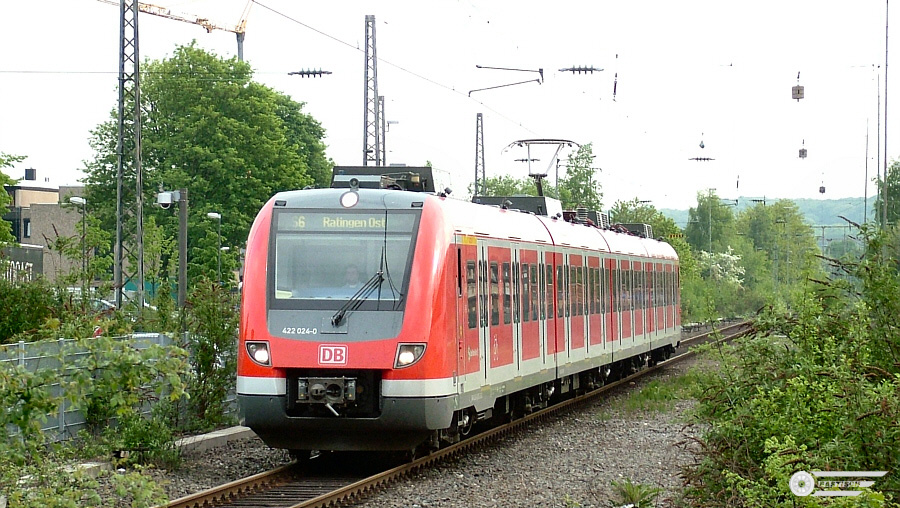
(816, 389)
(116, 379)
(212, 341)
(26, 306)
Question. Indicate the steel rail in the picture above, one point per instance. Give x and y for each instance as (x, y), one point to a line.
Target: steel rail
(282, 476)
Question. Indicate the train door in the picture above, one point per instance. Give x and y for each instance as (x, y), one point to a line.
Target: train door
(469, 358)
(611, 282)
(676, 297)
(509, 273)
(637, 300)
(532, 323)
(670, 296)
(626, 288)
(595, 305)
(497, 335)
(545, 302)
(556, 308)
(575, 294)
(659, 298)
(649, 310)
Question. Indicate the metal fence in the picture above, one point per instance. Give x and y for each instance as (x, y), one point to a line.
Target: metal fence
(67, 420)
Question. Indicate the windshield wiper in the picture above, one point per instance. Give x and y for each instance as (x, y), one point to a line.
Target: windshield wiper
(358, 298)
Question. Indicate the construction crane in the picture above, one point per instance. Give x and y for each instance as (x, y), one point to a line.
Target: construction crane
(165, 12)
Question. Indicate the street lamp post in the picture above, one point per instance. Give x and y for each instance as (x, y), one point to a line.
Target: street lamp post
(75, 200)
(218, 217)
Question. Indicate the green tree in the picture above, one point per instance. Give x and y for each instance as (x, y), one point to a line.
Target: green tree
(636, 211)
(711, 224)
(891, 183)
(505, 185)
(579, 187)
(6, 161)
(210, 129)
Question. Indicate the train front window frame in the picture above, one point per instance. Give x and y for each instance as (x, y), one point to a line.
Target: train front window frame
(312, 250)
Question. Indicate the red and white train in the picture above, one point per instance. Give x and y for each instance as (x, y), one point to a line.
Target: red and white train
(462, 312)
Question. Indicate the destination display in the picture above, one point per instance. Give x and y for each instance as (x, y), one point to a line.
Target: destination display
(345, 222)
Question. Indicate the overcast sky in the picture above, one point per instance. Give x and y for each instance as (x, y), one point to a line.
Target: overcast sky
(716, 71)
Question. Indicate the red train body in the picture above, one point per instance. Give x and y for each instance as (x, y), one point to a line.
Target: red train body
(464, 312)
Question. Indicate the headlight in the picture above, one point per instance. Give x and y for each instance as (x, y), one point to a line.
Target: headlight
(349, 199)
(259, 352)
(408, 354)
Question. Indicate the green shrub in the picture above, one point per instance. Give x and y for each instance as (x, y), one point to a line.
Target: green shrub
(212, 341)
(817, 389)
(26, 306)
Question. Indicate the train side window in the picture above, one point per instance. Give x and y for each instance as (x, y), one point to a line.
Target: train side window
(592, 291)
(637, 292)
(517, 293)
(665, 288)
(549, 293)
(572, 294)
(483, 294)
(654, 283)
(535, 301)
(604, 288)
(495, 294)
(526, 294)
(582, 289)
(471, 295)
(616, 289)
(629, 289)
(585, 289)
(560, 303)
(507, 294)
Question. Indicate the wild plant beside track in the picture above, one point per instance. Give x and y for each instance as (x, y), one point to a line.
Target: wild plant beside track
(816, 389)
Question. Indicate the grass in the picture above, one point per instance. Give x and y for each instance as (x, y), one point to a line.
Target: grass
(657, 395)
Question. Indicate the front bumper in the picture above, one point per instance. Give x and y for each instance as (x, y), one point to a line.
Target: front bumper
(402, 424)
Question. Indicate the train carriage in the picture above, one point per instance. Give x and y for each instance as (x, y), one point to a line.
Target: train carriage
(463, 312)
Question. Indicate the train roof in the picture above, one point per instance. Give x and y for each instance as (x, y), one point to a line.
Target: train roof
(486, 220)
(475, 219)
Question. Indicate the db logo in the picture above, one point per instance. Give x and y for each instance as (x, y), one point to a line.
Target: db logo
(332, 355)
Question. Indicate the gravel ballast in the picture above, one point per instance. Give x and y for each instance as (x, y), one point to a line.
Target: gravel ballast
(569, 460)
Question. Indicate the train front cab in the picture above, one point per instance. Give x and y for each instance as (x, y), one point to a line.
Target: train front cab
(381, 376)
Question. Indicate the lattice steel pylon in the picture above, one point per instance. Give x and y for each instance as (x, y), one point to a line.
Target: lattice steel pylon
(382, 143)
(129, 139)
(479, 152)
(371, 116)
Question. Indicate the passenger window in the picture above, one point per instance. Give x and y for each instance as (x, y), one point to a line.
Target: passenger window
(507, 294)
(495, 294)
(548, 294)
(526, 294)
(471, 296)
(561, 309)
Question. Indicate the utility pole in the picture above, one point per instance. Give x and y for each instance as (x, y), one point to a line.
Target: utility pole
(371, 110)
(182, 246)
(381, 132)
(884, 194)
(129, 140)
(479, 152)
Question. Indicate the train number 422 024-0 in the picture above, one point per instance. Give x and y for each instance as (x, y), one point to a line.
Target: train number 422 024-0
(290, 330)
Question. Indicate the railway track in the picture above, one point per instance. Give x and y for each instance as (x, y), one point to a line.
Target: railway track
(293, 486)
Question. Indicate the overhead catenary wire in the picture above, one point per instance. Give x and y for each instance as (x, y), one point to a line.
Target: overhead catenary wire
(394, 65)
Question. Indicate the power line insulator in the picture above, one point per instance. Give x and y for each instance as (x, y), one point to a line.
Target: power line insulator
(309, 73)
(581, 69)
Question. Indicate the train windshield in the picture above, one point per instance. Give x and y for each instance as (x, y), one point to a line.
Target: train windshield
(326, 257)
